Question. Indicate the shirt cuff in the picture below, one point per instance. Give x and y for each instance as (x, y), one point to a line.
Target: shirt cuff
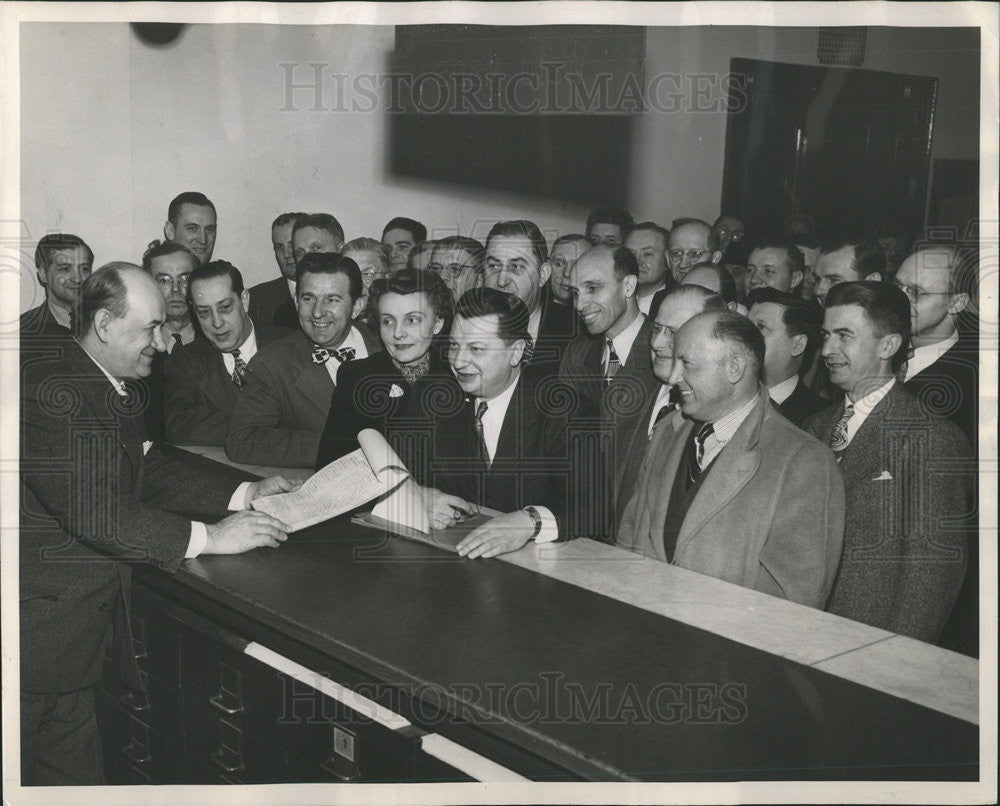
(238, 502)
(550, 527)
(198, 540)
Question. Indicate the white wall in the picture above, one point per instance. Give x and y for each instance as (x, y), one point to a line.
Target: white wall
(112, 130)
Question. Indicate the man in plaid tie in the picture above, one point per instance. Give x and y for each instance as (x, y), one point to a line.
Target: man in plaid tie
(204, 378)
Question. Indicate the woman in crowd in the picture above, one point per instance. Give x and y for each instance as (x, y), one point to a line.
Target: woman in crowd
(397, 391)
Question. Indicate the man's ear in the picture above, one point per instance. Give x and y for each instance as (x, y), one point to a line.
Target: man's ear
(890, 346)
(799, 343)
(358, 307)
(517, 352)
(736, 368)
(796, 278)
(958, 303)
(245, 299)
(630, 282)
(544, 272)
(102, 321)
(875, 277)
(168, 231)
(717, 257)
(42, 278)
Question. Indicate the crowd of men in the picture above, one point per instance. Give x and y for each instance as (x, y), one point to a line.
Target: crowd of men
(789, 414)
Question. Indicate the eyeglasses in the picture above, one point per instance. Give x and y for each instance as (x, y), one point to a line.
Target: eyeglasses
(452, 271)
(678, 255)
(370, 274)
(167, 282)
(914, 294)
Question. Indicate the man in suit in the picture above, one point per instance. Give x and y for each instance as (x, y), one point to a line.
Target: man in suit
(191, 222)
(608, 226)
(634, 430)
(517, 262)
(504, 448)
(648, 242)
(776, 264)
(729, 487)
(204, 378)
(278, 418)
(906, 473)
(62, 263)
(93, 495)
(790, 326)
(272, 303)
(401, 234)
(847, 259)
(692, 241)
(171, 264)
(459, 262)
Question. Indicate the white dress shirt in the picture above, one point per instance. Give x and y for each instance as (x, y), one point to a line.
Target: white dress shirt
(662, 399)
(723, 430)
(924, 356)
(623, 341)
(61, 315)
(496, 411)
(863, 407)
(355, 340)
(291, 288)
(780, 392)
(247, 351)
(187, 334)
(199, 534)
(645, 298)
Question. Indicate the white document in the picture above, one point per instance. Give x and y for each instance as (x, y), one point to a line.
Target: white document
(371, 471)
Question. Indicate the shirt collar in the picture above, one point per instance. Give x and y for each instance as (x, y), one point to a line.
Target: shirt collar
(61, 315)
(499, 403)
(864, 407)
(645, 298)
(924, 356)
(780, 392)
(726, 426)
(535, 323)
(291, 287)
(117, 384)
(623, 341)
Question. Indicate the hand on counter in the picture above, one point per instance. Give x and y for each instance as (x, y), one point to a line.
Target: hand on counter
(499, 535)
(272, 486)
(244, 531)
(445, 510)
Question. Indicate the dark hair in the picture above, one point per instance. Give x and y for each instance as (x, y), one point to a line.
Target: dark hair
(470, 246)
(421, 281)
(217, 268)
(735, 328)
(323, 221)
(521, 228)
(800, 317)
(618, 216)
(104, 289)
(286, 218)
(330, 263)
(650, 226)
(159, 249)
(727, 285)
(58, 242)
(625, 263)
(793, 255)
(869, 257)
(711, 242)
(415, 228)
(885, 306)
(188, 197)
(511, 312)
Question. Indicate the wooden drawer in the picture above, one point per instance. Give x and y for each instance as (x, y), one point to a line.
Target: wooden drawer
(234, 752)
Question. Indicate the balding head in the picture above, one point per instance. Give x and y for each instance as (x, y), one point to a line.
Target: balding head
(717, 368)
(691, 242)
(603, 282)
(121, 312)
(674, 310)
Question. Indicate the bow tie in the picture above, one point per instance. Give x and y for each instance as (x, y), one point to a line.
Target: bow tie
(320, 355)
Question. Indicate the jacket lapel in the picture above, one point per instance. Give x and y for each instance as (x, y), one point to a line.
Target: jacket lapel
(312, 381)
(863, 456)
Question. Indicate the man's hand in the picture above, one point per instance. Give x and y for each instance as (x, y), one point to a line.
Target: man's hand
(445, 510)
(271, 486)
(498, 535)
(244, 531)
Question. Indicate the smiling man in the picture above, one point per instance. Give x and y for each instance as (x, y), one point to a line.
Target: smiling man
(899, 573)
(94, 488)
(648, 242)
(62, 263)
(204, 378)
(729, 488)
(278, 418)
(191, 222)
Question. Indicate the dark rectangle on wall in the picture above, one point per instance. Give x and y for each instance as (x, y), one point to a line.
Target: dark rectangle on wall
(544, 111)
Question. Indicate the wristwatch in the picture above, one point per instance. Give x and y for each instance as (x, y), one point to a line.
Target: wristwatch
(536, 519)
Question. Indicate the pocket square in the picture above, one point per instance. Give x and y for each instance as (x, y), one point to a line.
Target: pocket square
(885, 475)
(395, 391)
(146, 446)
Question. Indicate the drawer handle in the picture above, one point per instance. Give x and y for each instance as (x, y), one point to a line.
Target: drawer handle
(137, 754)
(217, 702)
(133, 703)
(329, 765)
(218, 759)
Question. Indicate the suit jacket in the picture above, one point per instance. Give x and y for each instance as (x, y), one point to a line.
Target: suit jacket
(802, 402)
(40, 323)
(278, 418)
(949, 388)
(91, 498)
(543, 457)
(199, 393)
(769, 514)
(623, 405)
(558, 326)
(906, 476)
(372, 393)
(272, 306)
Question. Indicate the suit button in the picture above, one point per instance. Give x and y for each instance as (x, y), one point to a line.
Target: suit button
(103, 606)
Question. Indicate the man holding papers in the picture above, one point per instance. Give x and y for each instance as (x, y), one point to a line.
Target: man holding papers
(513, 445)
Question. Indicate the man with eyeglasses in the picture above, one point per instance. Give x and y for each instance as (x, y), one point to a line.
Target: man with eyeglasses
(459, 262)
(692, 241)
(373, 258)
(171, 264)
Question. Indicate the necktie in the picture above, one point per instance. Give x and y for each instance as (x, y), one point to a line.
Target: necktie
(613, 363)
(483, 451)
(838, 442)
(696, 454)
(178, 340)
(240, 371)
(665, 409)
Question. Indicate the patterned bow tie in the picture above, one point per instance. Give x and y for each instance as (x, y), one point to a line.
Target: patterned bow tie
(320, 355)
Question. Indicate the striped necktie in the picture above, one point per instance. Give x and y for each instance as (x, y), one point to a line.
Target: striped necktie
(240, 370)
(484, 452)
(613, 363)
(838, 441)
